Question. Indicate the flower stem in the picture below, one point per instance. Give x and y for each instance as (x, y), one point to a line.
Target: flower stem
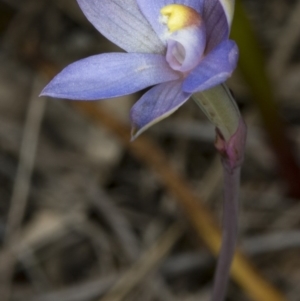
(219, 106)
(230, 229)
(232, 154)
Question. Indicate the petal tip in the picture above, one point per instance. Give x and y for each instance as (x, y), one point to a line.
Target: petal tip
(47, 91)
(133, 134)
(136, 132)
(44, 92)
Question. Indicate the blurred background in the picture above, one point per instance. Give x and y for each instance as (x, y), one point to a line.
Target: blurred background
(85, 215)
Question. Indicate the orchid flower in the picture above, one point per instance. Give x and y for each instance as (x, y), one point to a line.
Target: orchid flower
(176, 47)
(179, 49)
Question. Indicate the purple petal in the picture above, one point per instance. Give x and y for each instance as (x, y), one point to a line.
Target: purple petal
(122, 22)
(214, 69)
(151, 10)
(217, 27)
(110, 75)
(185, 48)
(157, 104)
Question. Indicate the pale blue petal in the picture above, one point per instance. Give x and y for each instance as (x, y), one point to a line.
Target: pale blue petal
(217, 27)
(157, 104)
(151, 10)
(110, 75)
(122, 22)
(214, 69)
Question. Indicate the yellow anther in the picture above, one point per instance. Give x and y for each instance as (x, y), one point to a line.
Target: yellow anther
(178, 16)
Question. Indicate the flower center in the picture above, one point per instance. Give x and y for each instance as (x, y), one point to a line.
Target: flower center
(177, 17)
(185, 37)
